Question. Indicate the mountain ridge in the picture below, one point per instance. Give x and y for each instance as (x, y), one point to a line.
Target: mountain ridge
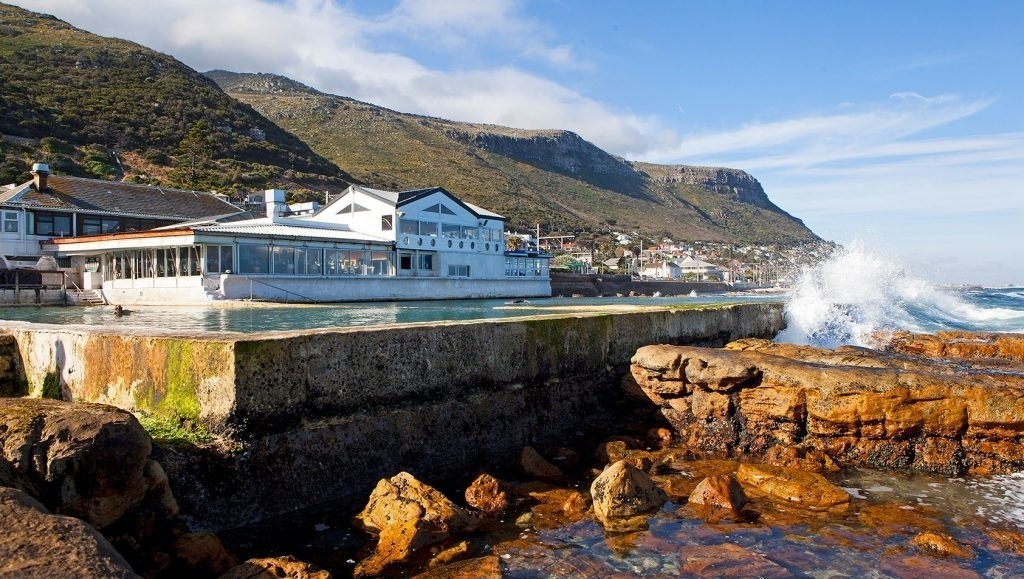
(550, 176)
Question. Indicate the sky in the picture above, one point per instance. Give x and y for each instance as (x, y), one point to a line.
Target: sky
(899, 124)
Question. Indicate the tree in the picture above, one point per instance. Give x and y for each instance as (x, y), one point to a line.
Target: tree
(194, 157)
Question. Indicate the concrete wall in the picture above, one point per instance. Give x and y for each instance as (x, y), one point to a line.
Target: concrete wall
(319, 416)
(593, 285)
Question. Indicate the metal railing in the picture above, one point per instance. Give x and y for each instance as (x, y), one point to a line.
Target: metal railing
(281, 289)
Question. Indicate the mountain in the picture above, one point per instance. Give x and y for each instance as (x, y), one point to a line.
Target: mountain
(552, 177)
(108, 108)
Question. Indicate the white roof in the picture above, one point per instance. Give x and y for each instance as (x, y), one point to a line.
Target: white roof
(309, 229)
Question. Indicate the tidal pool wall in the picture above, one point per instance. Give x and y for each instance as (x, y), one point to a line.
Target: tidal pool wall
(317, 417)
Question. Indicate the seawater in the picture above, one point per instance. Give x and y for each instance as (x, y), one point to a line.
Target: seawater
(262, 317)
(856, 296)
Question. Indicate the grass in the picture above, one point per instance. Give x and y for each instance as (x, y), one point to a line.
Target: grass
(174, 430)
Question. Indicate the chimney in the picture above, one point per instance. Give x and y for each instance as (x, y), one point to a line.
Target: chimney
(40, 171)
(275, 203)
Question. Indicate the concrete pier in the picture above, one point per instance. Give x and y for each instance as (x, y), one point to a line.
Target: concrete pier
(319, 416)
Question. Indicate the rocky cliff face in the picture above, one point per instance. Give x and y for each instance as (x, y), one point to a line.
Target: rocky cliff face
(734, 184)
(564, 152)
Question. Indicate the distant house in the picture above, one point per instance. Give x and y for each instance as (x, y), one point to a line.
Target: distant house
(680, 269)
(52, 206)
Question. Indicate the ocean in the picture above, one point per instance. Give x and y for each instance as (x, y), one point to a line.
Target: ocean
(856, 297)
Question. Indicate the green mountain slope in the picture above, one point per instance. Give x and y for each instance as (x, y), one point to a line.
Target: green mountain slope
(554, 178)
(103, 107)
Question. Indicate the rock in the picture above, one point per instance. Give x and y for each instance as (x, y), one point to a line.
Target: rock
(203, 551)
(488, 567)
(796, 488)
(959, 344)
(536, 466)
(622, 491)
(941, 544)
(855, 406)
(555, 506)
(659, 437)
(35, 543)
(488, 495)
(1009, 540)
(610, 451)
(727, 560)
(918, 566)
(809, 459)
(84, 460)
(451, 554)
(275, 568)
(407, 515)
(719, 492)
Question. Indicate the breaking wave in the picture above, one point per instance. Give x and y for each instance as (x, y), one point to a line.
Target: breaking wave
(855, 295)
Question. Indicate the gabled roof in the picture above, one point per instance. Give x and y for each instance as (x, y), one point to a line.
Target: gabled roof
(111, 197)
(406, 197)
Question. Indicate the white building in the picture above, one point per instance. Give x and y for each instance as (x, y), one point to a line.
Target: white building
(366, 244)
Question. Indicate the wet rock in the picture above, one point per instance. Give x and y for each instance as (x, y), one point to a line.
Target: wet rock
(918, 566)
(624, 491)
(276, 568)
(554, 506)
(727, 560)
(537, 466)
(959, 344)
(659, 437)
(795, 488)
(407, 515)
(855, 405)
(451, 554)
(611, 451)
(83, 460)
(203, 551)
(488, 567)
(1009, 540)
(488, 495)
(941, 544)
(719, 492)
(35, 543)
(887, 519)
(800, 458)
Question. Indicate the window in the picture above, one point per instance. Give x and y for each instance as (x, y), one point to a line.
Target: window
(283, 260)
(458, 271)
(439, 209)
(219, 259)
(253, 258)
(405, 261)
(449, 230)
(409, 226)
(10, 221)
(308, 261)
(352, 208)
(52, 224)
(426, 261)
(387, 222)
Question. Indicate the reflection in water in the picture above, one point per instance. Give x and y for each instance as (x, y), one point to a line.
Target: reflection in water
(262, 317)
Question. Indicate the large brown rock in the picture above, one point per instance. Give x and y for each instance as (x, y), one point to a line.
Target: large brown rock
(727, 560)
(719, 492)
(84, 460)
(623, 491)
(276, 568)
(488, 495)
(795, 488)
(34, 543)
(407, 515)
(853, 405)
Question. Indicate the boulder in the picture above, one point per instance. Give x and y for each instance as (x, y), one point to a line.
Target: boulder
(488, 495)
(795, 488)
(35, 543)
(407, 515)
(275, 568)
(84, 460)
(488, 567)
(853, 406)
(623, 491)
(719, 492)
(537, 466)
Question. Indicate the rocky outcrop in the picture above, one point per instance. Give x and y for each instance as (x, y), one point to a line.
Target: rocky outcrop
(732, 184)
(35, 543)
(960, 345)
(857, 406)
(93, 462)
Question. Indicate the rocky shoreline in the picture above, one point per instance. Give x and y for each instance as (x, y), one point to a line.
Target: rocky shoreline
(722, 460)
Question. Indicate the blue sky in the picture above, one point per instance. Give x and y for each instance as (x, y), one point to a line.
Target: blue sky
(898, 123)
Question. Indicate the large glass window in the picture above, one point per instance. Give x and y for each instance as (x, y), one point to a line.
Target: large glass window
(405, 261)
(283, 260)
(219, 259)
(409, 226)
(307, 261)
(426, 261)
(253, 258)
(450, 230)
(52, 224)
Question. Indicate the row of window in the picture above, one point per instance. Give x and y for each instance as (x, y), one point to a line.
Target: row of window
(526, 266)
(449, 230)
(54, 224)
(169, 262)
